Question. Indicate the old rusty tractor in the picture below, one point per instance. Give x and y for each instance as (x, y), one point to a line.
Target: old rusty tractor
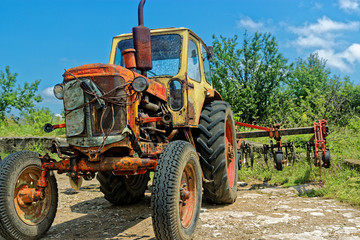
(152, 108)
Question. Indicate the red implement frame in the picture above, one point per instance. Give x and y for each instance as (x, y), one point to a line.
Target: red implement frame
(273, 132)
(318, 140)
(320, 136)
(320, 129)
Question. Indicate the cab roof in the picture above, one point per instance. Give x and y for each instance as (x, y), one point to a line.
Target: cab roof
(164, 30)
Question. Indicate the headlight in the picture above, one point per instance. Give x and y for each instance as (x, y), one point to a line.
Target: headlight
(59, 91)
(140, 84)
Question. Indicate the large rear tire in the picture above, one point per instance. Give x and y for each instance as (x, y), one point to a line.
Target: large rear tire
(121, 190)
(176, 195)
(217, 147)
(20, 220)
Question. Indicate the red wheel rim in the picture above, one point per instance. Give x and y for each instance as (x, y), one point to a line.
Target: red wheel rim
(187, 201)
(36, 212)
(230, 153)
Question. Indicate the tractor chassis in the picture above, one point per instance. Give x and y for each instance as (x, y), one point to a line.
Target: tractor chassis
(77, 167)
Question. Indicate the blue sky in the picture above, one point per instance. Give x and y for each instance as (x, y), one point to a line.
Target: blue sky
(38, 39)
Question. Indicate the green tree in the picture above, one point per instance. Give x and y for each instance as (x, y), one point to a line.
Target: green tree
(20, 97)
(249, 77)
(314, 93)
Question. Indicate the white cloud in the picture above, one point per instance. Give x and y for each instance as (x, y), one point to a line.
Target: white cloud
(325, 35)
(323, 31)
(352, 53)
(48, 96)
(344, 60)
(334, 59)
(311, 40)
(68, 61)
(318, 6)
(48, 92)
(250, 24)
(352, 5)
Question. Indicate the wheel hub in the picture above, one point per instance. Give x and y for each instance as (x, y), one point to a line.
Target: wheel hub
(27, 195)
(184, 194)
(31, 207)
(230, 152)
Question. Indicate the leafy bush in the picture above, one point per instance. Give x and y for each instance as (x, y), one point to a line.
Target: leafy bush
(20, 98)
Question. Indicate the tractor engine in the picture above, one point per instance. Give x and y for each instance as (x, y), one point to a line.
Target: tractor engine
(106, 104)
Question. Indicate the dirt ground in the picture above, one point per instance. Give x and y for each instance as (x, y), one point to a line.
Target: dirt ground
(260, 212)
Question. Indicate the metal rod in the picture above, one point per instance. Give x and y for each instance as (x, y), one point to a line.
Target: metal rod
(282, 132)
(106, 164)
(253, 126)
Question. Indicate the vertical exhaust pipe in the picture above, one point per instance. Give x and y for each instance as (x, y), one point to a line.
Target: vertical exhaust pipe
(141, 13)
(142, 43)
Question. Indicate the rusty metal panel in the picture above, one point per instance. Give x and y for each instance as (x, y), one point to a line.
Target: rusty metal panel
(73, 99)
(99, 69)
(104, 118)
(157, 89)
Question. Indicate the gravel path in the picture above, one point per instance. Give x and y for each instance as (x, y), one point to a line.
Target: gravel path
(260, 212)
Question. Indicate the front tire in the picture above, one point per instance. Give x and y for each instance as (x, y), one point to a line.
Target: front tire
(25, 221)
(176, 195)
(217, 148)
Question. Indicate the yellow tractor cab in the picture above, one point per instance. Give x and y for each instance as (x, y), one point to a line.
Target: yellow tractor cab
(180, 61)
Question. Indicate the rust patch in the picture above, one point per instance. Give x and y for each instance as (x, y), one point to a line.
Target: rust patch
(191, 112)
(96, 157)
(151, 149)
(157, 89)
(116, 164)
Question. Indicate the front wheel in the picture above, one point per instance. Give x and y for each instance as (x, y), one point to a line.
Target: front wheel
(176, 194)
(19, 220)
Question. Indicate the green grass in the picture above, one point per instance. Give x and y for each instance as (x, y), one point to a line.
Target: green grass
(36, 147)
(13, 129)
(340, 181)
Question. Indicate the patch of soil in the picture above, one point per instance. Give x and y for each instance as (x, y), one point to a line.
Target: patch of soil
(260, 212)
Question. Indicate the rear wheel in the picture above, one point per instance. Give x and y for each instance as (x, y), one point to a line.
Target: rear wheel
(121, 190)
(176, 195)
(217, 148)
(279, 161)
(251, 157)
(19, 220)
(326, 159)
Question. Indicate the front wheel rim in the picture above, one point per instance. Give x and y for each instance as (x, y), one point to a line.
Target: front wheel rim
(35, 212)
(187, 202)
